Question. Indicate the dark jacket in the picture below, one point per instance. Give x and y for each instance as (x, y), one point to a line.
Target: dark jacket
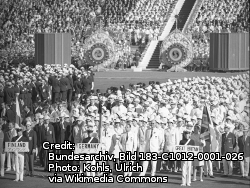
(31, 135)
(9, 95)
(43, 92)
(22, 139)
(228, 143)
(78, 86)
(64, 84)
(244, 145)
(47, 134)
(10, 115)
(37, 129)
(55, 83)
(61, 133)
(86, 85)
(71, 84)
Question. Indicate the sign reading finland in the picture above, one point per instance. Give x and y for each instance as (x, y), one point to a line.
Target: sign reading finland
(17, 146)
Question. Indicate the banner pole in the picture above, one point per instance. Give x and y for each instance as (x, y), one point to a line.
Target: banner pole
(210, 124)
(100, 121)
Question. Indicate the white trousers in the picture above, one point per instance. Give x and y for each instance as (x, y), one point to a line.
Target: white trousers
(129, 173)
(10, 160)
(186, 167)
(145, 167)
(227, 167)
(19, 161)
(244, 166)
(208, 168)
(2, 159)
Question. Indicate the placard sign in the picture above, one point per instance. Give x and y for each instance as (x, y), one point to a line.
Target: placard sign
(187, 149)
(87, 148)
(17, 146)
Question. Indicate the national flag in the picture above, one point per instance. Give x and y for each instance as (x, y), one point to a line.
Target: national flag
(207, 128)
(205, 124)
(18, 114)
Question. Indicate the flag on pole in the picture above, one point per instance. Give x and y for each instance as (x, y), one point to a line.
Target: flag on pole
(205, 124)
(18, 114)
(207, 128)
(100, 122)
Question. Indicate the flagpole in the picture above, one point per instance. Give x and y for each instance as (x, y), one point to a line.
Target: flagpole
(18, 113)
(100, 121)
(210, 124)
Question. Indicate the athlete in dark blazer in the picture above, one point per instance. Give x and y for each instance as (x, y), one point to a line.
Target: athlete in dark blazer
(55, 83)
(47, 133)
(70, 88)
(29, 156)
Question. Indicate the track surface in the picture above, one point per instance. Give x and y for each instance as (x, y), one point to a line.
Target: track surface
(104, 80)
(174, 180)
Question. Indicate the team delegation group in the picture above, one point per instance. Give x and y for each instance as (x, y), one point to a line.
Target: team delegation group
(58, 104)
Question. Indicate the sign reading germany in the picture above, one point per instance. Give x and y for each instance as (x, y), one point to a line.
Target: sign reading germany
(87, 148)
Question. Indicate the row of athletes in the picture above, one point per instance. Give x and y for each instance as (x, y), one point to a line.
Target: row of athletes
(152, 142)
(127, 142)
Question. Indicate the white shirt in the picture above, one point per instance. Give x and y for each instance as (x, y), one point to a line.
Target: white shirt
(163, 111)
(120, 110)
(178, 134)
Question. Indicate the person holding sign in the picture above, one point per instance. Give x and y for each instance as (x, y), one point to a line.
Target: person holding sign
(186, 165)
(90, 140)
(19, 156)
(8, 135)
(201, 143)
(29, 156)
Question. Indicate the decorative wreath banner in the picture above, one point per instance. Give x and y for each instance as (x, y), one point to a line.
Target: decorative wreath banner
(98, 48)
(98, 53)
(176, 53)
(176, 49)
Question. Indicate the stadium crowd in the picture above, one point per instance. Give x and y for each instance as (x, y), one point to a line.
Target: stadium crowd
(59, 103)
(20, 20)
(218, 17)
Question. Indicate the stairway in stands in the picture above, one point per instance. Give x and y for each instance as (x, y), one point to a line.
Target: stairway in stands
(154, 62)
(186, 9)
(184, 14)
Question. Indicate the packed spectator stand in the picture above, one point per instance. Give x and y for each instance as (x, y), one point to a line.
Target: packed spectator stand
(75, 17)
(135, 22)
(216, 17)
(51, 95)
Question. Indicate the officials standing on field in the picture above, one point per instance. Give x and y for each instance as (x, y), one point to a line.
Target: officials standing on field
(127, 143)
(244, 146)
(228, 145)
(29, 156)
(19, 156)
(153, 144)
